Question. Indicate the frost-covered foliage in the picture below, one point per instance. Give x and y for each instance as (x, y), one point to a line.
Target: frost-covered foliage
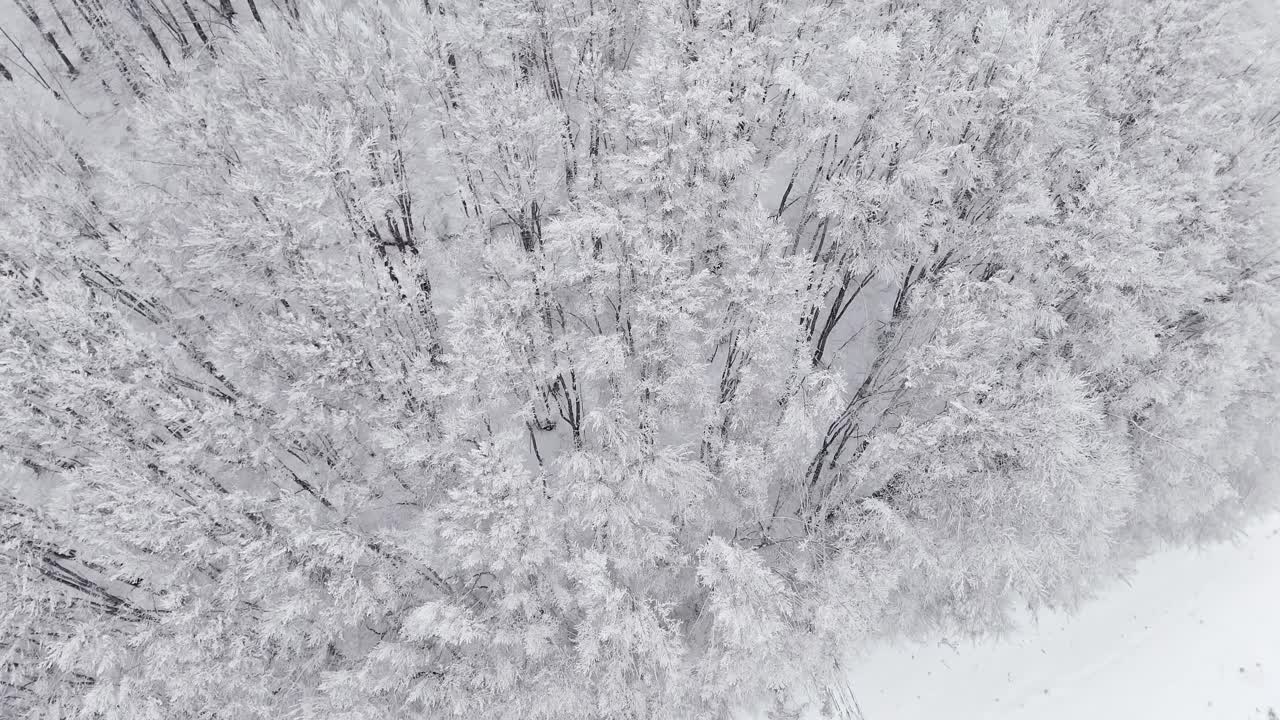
(602, 359)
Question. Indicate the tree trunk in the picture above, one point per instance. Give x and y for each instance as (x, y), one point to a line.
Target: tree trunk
(31, 14)
(136, 12)
(195, 23)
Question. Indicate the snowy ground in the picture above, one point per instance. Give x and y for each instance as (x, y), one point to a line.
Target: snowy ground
(1194, 636)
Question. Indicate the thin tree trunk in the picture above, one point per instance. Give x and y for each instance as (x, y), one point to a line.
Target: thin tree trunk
(31, 14)
(173, 25)
(253, 10)
(136, 12)
(844, 298)
(31, 68)
(100, 26)
(195, 23)
(58, 13)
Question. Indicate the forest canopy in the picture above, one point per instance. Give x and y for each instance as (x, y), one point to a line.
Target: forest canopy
(606, 359)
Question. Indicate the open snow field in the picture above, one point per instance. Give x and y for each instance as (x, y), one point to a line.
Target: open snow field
(1195, 635)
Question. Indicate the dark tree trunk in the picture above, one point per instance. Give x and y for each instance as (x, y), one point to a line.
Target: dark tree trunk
(30, 12)
(195, 23)
(173, 25)
(98, 23)
(136, 13)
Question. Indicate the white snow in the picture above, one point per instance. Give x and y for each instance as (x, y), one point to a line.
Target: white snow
(1195, 635)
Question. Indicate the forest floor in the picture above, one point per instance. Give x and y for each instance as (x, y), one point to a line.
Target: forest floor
(1193, 635)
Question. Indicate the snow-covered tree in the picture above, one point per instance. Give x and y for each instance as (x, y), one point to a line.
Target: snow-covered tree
(601, 359)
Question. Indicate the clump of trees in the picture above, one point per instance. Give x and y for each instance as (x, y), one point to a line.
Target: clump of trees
(603, 359)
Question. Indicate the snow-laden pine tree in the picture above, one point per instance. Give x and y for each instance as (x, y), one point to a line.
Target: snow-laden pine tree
(603, 359)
